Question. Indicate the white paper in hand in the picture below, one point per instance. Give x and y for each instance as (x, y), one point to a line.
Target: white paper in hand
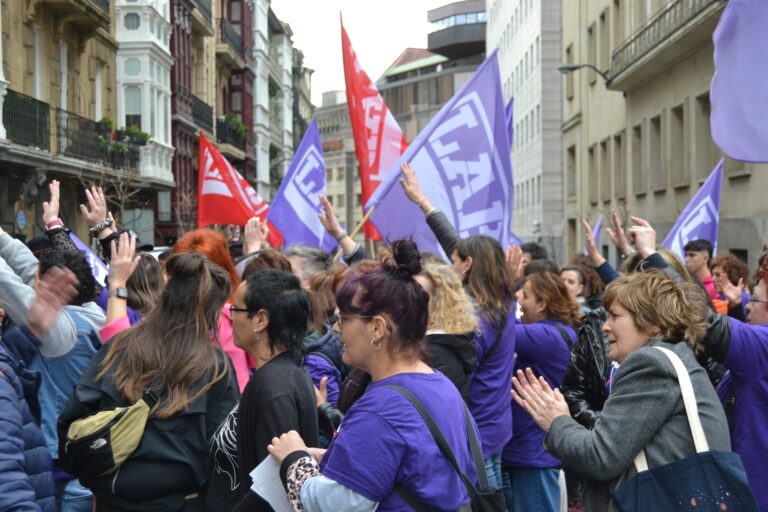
(267, 484)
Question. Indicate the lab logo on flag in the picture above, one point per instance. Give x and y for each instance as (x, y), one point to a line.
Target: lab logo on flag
(702, 218)
(464, 168)
(213, 183)
(305, 188)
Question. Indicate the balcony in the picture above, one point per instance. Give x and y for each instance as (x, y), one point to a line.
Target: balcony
(231, 141)
(202, 18)
(229, 48)
(458, 41)
(27, 121)
(84, 139)
(86, 14)
(202, 113)
(679, 28)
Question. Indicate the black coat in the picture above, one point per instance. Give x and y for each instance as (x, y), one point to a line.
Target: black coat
(455, 356)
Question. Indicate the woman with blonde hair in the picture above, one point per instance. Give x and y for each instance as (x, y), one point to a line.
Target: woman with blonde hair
(450, 341)
(645, 409)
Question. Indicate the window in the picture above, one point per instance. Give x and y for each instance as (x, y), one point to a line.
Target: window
(569, 80)
(654, 154)
(592, 52)
(341, 203)
(605, 172)
(164, 206)
(604, 55)
(619, 163)
(570, 171)
(132, 21)
(592, 184)
(358, 200)
(472, 17)
(705, 150)
(637, 160)
(133, 106)
(340, 175)
(38, 63)
(97, 96)
(132, 67)
(618, 23)
(677, 147)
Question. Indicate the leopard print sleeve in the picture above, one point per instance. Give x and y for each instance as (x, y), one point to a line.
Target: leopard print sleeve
(300, 471)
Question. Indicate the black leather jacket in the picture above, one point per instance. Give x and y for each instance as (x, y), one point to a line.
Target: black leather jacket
(584, 383)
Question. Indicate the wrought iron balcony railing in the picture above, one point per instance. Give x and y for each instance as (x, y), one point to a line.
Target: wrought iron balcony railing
(80, 137)
(229, 35)
(27, 120)
(227, 133)
(202, 113)
(666, 22)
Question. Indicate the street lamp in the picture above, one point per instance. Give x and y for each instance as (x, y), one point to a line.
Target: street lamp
(569, 68)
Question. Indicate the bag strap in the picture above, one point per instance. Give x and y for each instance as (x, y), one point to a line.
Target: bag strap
(691, 409)
(497, 341)
(565, 336)
(474, 444)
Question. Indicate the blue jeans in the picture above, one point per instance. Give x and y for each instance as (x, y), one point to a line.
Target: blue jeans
(531, 489)
(493, 469)
(76, 498)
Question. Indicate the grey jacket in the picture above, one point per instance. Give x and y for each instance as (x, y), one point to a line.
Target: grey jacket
(644, 410)
(17, 276)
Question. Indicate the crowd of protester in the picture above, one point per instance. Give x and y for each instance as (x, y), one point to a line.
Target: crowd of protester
(399, 382)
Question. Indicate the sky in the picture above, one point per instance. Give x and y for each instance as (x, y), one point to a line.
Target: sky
(379, 31)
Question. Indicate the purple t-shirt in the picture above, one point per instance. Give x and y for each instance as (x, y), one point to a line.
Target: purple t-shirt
(383, 442)
(542, 348)
(489, 390)
(747, 360)
(319, 367)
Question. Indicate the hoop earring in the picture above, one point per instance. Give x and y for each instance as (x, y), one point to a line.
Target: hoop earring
(375, 345)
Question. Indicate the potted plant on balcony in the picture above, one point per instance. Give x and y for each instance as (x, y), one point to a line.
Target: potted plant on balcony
(137, 136)
(104, 127)
(240, 128)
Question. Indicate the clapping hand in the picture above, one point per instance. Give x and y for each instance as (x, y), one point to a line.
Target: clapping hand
(514, 258)
(538, 399)
(55, 290)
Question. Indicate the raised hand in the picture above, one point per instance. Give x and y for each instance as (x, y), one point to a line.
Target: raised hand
(123, 262)
(617, 235)
(55, 290)
(410, 184)
(589, 238)
(731, 292)
(643, 236)
(252, 237)
(514, 258)
(96, 211)
(321, 393)
(538, 399)
(329, 220)
(51, 208)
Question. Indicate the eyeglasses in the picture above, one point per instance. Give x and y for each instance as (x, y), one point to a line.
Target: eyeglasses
(341, 318)
(759, 301)
(233, 310)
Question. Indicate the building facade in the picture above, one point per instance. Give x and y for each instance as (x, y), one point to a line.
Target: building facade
(528, 36)
(342, 175)
(57, 100)
(640, 141)
(420, 81)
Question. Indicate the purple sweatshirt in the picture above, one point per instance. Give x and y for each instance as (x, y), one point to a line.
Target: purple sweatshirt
(489, 390)
(747, 360)
(543, 349)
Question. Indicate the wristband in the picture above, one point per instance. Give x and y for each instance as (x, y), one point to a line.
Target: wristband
(98, 228)
(55, 223)
(341, 237)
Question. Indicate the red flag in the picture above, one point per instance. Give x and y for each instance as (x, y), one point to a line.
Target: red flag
(224, 196)
(379, 141)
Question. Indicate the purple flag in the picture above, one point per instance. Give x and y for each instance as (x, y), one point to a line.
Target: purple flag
(739, 91)
(98, 268)
(297, 201)
(508, 112)
(699, 219)
(462, 160)
(596, 232)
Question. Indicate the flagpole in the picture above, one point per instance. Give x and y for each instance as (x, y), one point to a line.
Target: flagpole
(357, 228)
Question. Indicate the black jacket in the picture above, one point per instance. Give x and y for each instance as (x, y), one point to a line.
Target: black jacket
(455, 356)
(584, 383)
(172, 460)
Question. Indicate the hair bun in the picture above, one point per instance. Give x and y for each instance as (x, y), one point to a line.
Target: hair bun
(406, 260)
(188, 264)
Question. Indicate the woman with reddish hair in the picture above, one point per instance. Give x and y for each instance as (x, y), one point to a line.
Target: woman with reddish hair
(213, 245)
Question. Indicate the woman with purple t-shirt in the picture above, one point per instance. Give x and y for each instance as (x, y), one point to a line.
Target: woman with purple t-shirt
(543, 342)
(384, 448)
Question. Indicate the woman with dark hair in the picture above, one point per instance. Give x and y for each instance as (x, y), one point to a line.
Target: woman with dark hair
(729, 275)
(170, 354)
(384, 449)
(575, 280)
(543, 342)
(269, 317)
(480, 262)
